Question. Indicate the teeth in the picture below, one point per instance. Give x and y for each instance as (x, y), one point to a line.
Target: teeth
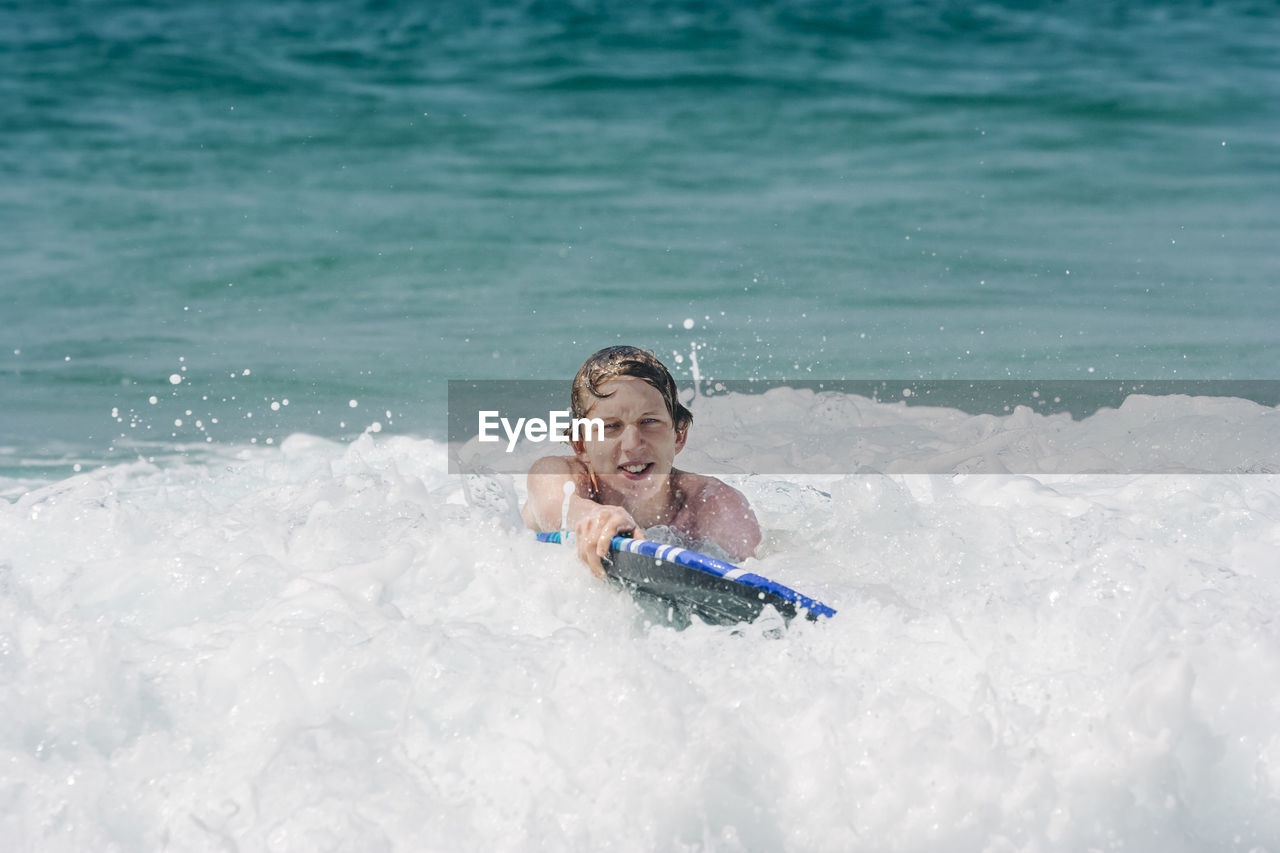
(634, 469)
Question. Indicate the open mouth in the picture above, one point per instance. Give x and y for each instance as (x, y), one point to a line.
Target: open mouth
(635, 472)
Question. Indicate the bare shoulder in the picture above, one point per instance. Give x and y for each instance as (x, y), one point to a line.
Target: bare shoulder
(703, 492)
(545, 505)
(715, 510)
(558, 465)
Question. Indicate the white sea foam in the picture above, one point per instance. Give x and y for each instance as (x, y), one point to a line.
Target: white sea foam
(318, 646)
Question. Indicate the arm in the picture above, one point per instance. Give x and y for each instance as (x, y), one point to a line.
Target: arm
(594, 525)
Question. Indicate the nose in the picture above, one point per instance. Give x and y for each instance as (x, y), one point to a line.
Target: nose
(630, 437)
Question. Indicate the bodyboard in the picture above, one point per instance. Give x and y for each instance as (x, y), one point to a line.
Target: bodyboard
(675, 584)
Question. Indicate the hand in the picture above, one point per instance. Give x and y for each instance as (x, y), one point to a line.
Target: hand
(595, 533)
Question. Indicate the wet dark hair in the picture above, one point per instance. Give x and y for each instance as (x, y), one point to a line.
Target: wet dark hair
(613, 362)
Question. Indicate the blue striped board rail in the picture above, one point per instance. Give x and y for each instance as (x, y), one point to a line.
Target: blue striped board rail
(676, 584)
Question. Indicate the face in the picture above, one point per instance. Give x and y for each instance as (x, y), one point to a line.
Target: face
(640, 441)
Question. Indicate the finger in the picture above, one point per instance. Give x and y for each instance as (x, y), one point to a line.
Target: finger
(608, 529)
(586, 553)
(588, 545)
(624, 527)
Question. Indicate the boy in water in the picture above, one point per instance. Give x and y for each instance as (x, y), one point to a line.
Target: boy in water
(625, 482)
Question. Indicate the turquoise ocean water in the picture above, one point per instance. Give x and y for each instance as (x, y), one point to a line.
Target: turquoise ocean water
(237, 221)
